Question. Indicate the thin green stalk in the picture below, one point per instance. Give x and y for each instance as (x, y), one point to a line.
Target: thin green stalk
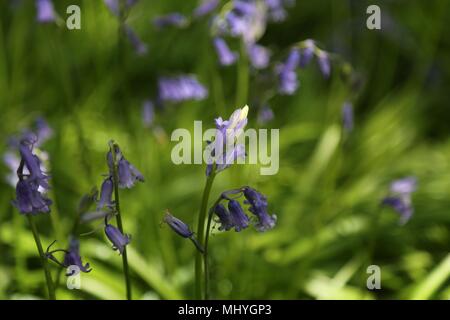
(126, 271)
(201, 234)
(48, 276)
(242, 77)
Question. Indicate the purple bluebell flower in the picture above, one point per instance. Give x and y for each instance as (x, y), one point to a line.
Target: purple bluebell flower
(73, 258)
(347, 116)
(288, 82)
(148, 113)
(181, 88)
(12, 161)
(225, 150)
(174, 19)
(276, 10)
(205, 7)
(404, 186)
(400, 198)
(226, 222)
(239, 218)
(258, 206)
(45, 11)
(307, 53)
(139, 47)
(114, 5)
(323, 61)
(178, 226)
(226, 56)
(106, 191)
(29, 200)
(265, 115)
(259, 56)
(128, 174)
(33, 165)
(118, 239)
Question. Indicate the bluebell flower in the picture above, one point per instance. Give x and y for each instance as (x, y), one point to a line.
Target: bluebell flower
(259, 56)
(239, 218)
(43, 131)
(226, 56)
(172, 19)
(205, 7)
(277, 9)
(128, 174)
(181, 88)
(140, 48)
(178, 226)
(148, 113)
(118, 239)
(323, 61)
(73, 258)
(347, 116)
(258, 206)
(225, 219)
(225, 149)
(307, 52)
(33, 164)
(265, 115)
(29, 200)
(12, 161)
(400, 198)
(288, 82)
(106, 192)
(45, 11)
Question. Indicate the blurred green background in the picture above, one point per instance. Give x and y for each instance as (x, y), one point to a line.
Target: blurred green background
(326, 193)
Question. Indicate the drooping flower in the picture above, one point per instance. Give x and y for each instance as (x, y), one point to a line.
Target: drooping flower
(118, 239)
(347, 116)
(178, 226)
(33, 164)
(174, 19)
(225, 219)
(277, 9)
(226, 56)
(128, 175)
(225, 149)
(258, 206)
(106, 194)
(259, 56)
(29, 200)
(239, 218)
(148, 113)
(72, 257)
(140, 48)
(288, 82)
(181, 88)
(45, 11)
(323, 61)
(400, 198)
(307, 52)
(205, 7)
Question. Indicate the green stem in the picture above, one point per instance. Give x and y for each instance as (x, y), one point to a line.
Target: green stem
(119, 220)
(201, 234)
(48, 276)
(242, 77)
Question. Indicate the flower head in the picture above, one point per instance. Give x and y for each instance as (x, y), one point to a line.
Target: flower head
(225, 219)
(29, 200)
(140, 48)
(258, 206)
(72, 257)
(178, 226)
(265, 115)
(118, 239)
(148, 113)
(324, 63)
(239, 218)
(259, 56)
(288, 82)
(114, 5)
(226, 56)
(127, 173)
(45, 11)
(400, 198)
(307, 52)
(347, 116)
(181, 88)
(205, 7)
(172, 19)
(106, 194)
